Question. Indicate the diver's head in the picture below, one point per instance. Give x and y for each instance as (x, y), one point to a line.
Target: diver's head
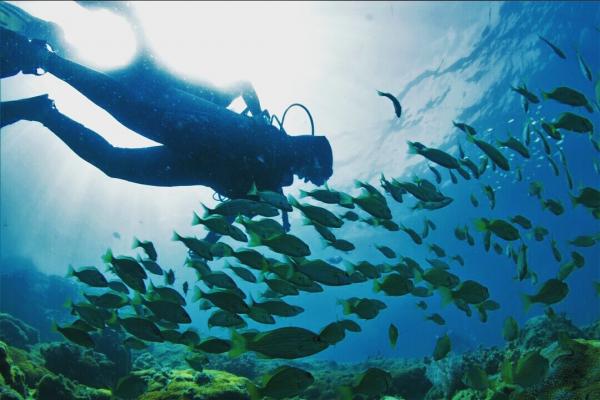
(312, 158)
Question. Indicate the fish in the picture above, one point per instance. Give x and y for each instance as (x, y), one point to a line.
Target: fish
(498, 227)
(281, 286)
(130, 387)
(275, 199)
(554, 48)
(285, 243)
(476, 378)
(170, 277)
(118, 286)
(554, 206)
(199, 247)
(283, 382)
(437, 318)
(150, 266)
(585, 69)
(364, 308)
(372, 383)
(458, 259)
(128, 270)
(443, 346)
(286, 343)
(551, 292)
(452, 177)
(491, 195)
(465, 128)
(568, 96)
(279, 308)
(551, 130)
(413, 235)
(333, 333)
(141, 328)
(535, 189)
(531, 369)
(460, 233)
(373, 205)
(470, 166)
(220, 225)
(317, 214)
(393, 285)
(396, 191)
(225, 319)
(246, 207)
(88, 275)
(545, 143)
(439, 252)
(147, 246)
(514, 144)
(75, 335)
(539, 232)
(555, 251)
(553, 165)
(185, 287)
(578, 259)
(242, 273)
(436, 156)
(469, 291)
(492, 152)
(584, 241)
(393, 335)
(197, 361)
(135, 343)
(483, 165)
(223, 299)
(521, 220)
(219, 279)
(260, 315)
(214, 345)
(386, 251)
(107, 300)
(510, 331)
(265, 228)
(395, 102)
(526, 93)
(251, 258)
(574, 123)
(329, 196)
(422, 305)
(350, 216)
(436, 173)
(587, 197)
(166, 310)
(432, 205)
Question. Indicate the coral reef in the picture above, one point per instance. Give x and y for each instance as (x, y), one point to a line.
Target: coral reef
(542, 330)
(16, 332)
(82, 365)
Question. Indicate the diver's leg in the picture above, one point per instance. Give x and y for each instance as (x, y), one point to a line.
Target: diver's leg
(158, 165)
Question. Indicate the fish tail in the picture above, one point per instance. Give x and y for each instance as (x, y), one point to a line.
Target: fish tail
(412, 148)
(255, 240)
(376, 286)
(481, 224)
(136, 243)
(574, 201)
(176, 237)
(196, 220)
(292, 200)
(197, 294)
(347, 308)
(113, 320)
(54, 327)
(303, 193)
(526, 302)
(68, 304)
(108, 256)
(207, 211)
(71, 271)
(253, 391)
(137, 299)
(446, 295)
(545, 95)
(238, 344)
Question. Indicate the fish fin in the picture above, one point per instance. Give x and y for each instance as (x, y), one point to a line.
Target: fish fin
(526, 302)
(196, 220)
(446, 295)
(238, 344)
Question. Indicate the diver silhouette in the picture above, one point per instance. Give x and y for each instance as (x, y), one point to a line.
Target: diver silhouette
(202, 141)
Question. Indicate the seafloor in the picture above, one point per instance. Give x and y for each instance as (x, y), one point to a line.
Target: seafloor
(34, 364)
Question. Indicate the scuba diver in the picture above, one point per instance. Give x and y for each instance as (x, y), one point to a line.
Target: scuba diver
(202, 142)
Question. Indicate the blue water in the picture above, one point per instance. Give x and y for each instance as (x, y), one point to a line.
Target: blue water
(56, 210)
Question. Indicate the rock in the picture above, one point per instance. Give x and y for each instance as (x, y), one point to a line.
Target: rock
(540, 331)
(183, 384)
(82, 365)
(17, 333)
(410, 383)
(110, 343)
(53, 387)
